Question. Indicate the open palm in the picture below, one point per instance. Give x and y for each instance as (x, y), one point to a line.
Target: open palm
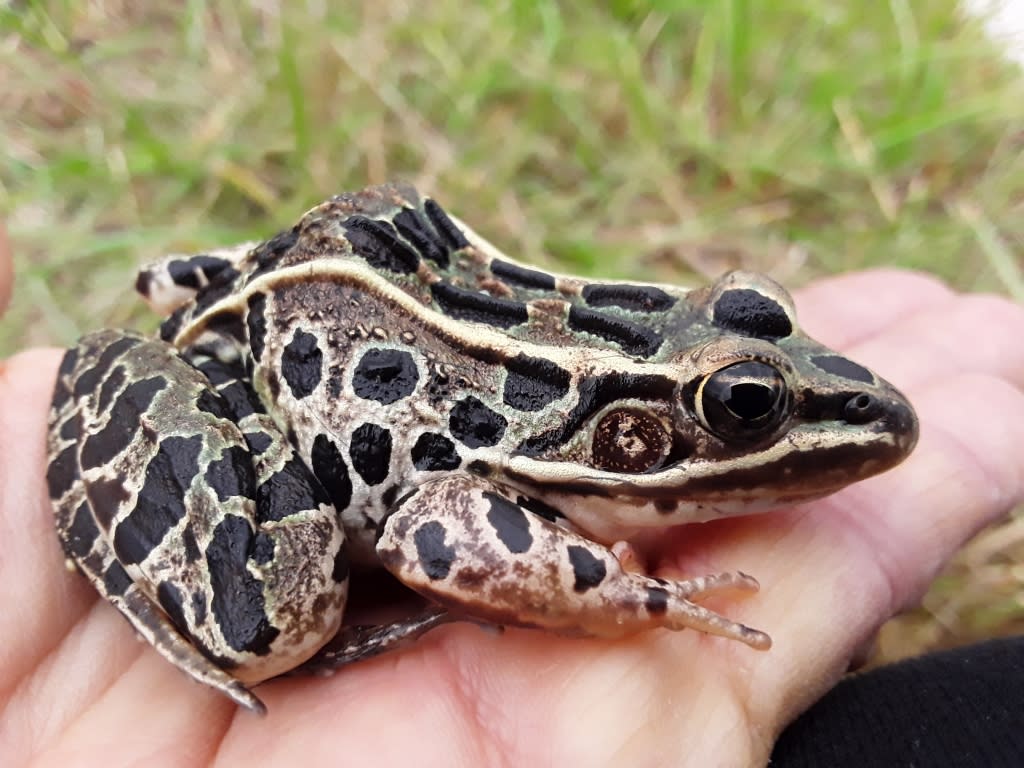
(76, 687)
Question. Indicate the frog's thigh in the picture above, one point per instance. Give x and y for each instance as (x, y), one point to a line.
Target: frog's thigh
(187, 517)
(96, 560)
(463, 542)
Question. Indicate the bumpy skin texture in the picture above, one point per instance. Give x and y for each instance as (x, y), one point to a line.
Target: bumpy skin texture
(379, 383)
(76, 686)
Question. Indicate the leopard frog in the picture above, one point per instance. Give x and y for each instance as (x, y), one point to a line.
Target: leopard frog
(379, 386)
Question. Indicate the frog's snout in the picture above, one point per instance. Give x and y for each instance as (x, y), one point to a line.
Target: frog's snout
(890, 414)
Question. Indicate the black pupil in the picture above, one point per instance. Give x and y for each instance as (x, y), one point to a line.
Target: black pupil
(750, 401)
(743, 401)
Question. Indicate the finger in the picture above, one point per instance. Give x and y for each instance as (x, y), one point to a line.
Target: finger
(967, 472)
(977, 333)
(185, 726)
(911, 327)
(6, 269)
(844, 310)
(963, 366)
(37, 595)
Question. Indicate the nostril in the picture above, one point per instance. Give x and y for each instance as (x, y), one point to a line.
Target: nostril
(861, 408)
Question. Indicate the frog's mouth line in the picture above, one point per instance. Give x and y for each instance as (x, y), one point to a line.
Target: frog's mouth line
(801, 465)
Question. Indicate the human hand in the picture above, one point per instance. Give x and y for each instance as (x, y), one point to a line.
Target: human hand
(76, 687)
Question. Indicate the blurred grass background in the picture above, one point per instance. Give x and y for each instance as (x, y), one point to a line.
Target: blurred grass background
(670, 139)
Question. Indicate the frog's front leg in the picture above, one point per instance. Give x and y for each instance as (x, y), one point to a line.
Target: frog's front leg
(463, 542)
(189, 510)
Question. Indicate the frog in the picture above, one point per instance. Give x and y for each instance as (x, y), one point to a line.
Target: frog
(379, 387)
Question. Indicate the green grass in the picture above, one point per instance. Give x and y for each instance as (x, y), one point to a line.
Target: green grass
(635, 138)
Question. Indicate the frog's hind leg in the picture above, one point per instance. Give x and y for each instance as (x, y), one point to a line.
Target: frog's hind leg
(189, 510)
(358, 642)
(464, 543)
(150, 621)
(90, 551)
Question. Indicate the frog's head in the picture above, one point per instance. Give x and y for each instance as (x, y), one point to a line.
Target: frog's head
(748, 414)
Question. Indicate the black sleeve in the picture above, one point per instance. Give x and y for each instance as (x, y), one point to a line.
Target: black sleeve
(963, 707)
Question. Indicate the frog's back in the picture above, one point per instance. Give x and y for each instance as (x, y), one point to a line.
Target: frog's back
(411, 244)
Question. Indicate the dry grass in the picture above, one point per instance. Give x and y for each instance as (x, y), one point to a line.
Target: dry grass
(624, 138)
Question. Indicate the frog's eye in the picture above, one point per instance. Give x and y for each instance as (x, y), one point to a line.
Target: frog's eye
(742, 401)
(630, 440)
